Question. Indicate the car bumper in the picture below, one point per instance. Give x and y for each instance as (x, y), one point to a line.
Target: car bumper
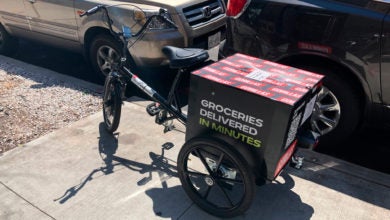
(147, 50)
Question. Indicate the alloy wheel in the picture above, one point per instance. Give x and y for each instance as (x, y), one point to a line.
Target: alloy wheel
(107, 57)
(326, 113)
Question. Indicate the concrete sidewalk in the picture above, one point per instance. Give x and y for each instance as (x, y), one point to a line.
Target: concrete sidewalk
(81, 172)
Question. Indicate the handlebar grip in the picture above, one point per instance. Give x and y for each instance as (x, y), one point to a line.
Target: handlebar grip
(92, 10)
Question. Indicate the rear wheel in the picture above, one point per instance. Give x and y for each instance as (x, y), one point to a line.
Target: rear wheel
(215, 177)
(8, 44)
(112, 103)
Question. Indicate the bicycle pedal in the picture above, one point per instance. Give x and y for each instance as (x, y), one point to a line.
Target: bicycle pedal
(168, 145)
(296, 162)
(152, 109)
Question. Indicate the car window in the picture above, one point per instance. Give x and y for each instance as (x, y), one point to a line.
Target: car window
(354, 2)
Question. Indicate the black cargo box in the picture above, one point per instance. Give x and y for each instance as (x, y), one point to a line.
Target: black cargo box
(255, 105)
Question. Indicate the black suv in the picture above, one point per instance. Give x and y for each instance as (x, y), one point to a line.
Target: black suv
(346, 40)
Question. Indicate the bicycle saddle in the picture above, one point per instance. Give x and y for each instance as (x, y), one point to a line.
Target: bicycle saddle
(184, 57)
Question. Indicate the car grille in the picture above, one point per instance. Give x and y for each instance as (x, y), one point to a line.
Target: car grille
(203, 12)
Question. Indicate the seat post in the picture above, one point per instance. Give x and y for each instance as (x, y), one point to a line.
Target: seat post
(172, 92)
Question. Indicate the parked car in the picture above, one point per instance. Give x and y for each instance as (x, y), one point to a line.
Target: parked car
(346, 40)
(201, 23)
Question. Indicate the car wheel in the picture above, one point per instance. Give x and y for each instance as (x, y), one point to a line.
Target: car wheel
(8, 44)
(337, 111)
(104, 54)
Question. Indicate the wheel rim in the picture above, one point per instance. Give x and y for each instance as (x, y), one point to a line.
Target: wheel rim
(214, 178)
(108, 105)
(106, 58)
(326, 112)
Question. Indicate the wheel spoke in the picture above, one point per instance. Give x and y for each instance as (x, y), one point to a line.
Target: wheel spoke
(225, 194)
(230, 180)
(219, 161)
(102, 55)
(106, 66)
(322, 94)
(317, 128)
(197, 151)
(207, 192)
(110, 53)
(330, 107)
(195, 173)
(327, 121)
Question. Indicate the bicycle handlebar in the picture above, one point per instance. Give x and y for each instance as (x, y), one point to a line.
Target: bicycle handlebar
(92, 10)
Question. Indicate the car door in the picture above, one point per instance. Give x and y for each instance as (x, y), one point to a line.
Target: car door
(385, 68)
(385, 61)
(13, 16)
(52, 20)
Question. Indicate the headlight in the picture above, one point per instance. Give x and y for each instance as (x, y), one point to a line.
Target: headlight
(159, 23)
(140, 16)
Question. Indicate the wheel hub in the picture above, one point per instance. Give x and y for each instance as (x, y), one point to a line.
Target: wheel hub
(209, 181)
(107, 58)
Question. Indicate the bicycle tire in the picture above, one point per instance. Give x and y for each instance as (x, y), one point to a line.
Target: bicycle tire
(112, 104)
(216, 189)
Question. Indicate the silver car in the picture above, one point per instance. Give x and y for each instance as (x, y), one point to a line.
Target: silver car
(201, 24)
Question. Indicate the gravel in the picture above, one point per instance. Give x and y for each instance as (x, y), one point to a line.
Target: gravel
(35, 101)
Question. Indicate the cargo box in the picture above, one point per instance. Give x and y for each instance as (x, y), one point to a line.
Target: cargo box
(254, 105)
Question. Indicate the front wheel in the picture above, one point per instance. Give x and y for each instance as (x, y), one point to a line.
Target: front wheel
(112, 103)
(215, 177)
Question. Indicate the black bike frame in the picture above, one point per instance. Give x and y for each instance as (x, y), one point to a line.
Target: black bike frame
(154, 95)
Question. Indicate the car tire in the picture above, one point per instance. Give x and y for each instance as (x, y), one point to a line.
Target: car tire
(8, 44)
(103, 54)
(339, 102)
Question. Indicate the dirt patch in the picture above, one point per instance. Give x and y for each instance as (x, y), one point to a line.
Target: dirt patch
(33, 104)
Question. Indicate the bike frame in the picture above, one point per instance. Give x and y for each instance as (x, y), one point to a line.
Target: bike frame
(169, 104)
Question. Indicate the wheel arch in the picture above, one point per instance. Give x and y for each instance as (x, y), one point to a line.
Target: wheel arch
(346, 72)
(5, 27)
(89, 35)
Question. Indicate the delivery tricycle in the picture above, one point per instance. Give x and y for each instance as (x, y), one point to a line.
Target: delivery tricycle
(243, 121)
